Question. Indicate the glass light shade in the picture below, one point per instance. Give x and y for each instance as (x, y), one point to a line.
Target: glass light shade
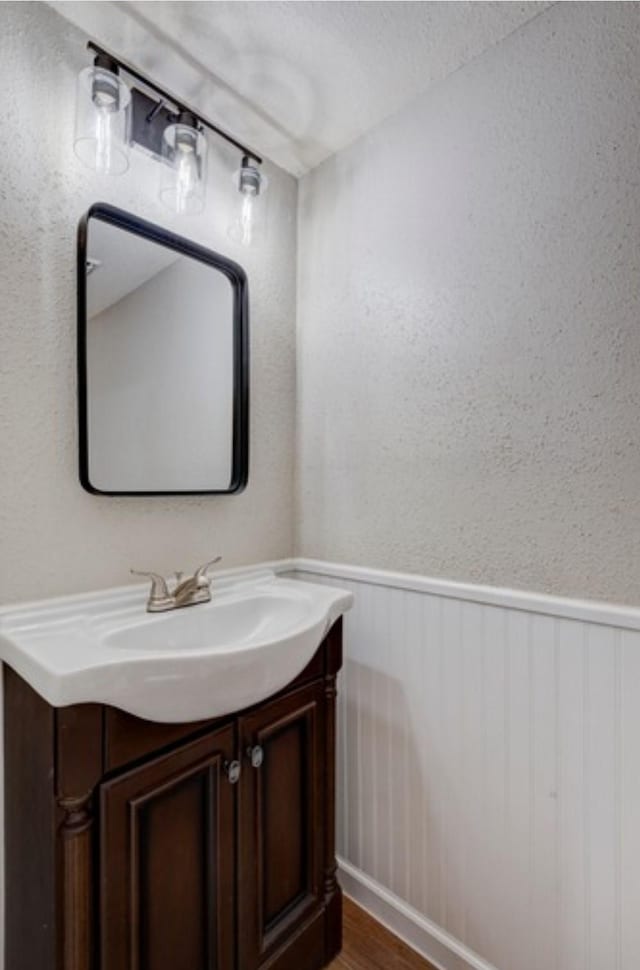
(102, 121)
(184, 172)
(251, 183)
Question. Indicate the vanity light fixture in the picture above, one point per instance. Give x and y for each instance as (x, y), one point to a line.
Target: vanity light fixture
(184, 149)
(102, 116)
(250, 182)
(111, 116)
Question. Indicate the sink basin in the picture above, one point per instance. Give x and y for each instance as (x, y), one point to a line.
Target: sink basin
(226, 623)
(255, 636)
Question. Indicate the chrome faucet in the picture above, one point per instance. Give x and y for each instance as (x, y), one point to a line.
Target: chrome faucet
(186, 592)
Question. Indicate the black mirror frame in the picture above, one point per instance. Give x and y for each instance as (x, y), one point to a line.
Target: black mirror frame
(238, 279)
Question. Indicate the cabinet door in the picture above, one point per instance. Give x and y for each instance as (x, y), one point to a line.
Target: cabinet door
(281, 832)
(167, 847)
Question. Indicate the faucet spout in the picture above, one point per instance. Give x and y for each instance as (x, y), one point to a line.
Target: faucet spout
(195, 589)
(201, 573)
(187, 592)
(160, 598)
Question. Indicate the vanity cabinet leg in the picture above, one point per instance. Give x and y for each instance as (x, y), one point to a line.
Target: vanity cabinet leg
(76, 850)
(79, 768)
(332, 890)
(30, 825)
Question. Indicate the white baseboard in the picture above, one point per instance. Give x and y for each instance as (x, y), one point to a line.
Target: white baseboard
(418, 932)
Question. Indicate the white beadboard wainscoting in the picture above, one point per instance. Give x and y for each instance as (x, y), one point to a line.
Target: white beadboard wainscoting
(489, 771)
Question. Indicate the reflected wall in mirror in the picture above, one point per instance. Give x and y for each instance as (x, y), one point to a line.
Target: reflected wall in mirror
(162, 361)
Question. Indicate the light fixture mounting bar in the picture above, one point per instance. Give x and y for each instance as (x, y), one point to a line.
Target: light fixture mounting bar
(178, 103)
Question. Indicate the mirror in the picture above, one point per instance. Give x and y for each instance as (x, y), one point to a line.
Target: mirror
(162, 361)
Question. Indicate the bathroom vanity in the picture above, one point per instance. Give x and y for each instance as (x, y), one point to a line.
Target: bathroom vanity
(134, 844)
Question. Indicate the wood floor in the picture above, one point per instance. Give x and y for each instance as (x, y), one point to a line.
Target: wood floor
(369, 946)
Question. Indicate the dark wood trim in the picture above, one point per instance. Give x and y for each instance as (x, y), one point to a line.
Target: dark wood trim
(79, 767)
(77, 883)
(304, 949)
(332, 890)
(263, 932)
(333, 649)
(79, 754)
(31, 937)
(126, 805)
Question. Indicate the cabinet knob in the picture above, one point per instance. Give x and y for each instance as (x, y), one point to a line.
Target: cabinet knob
(255, 755)
(233, 769)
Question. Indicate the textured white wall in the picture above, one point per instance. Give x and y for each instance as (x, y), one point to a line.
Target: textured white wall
(469, 348)
(54, 537)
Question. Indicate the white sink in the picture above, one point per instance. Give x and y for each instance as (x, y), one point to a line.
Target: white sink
(254, 637)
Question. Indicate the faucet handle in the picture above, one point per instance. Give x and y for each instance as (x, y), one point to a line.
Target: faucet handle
(160, 597)
(201, 573)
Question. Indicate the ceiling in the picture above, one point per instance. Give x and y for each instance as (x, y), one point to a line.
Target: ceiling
(124, 262)
(298, 80)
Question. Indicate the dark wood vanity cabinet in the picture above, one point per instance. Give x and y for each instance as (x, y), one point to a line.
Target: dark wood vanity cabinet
(282, 814)
(166, 859)
(139, 846)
